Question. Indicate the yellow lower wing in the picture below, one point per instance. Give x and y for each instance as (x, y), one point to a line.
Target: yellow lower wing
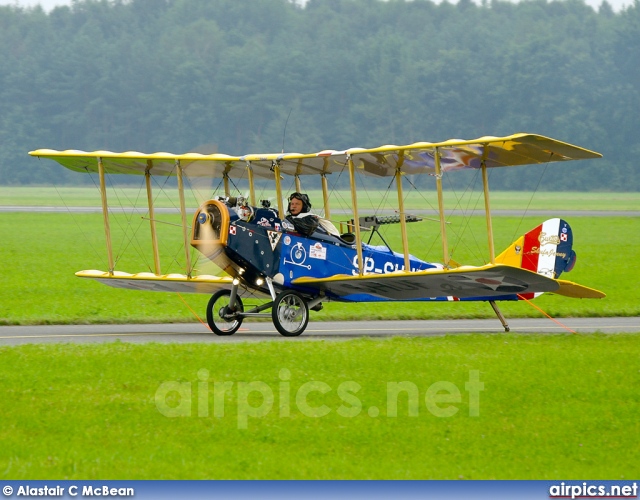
(162, 283)
(462, 282)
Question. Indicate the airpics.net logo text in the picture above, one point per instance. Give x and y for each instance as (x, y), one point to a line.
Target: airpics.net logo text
(257, 399)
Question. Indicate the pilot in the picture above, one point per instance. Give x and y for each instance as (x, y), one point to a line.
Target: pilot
(303, 220)
(300, 216)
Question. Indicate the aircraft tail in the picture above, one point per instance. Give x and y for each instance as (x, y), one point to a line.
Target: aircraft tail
(546, 250)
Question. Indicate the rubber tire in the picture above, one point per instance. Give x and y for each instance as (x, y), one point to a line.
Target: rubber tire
(280, 305)
(211, 307)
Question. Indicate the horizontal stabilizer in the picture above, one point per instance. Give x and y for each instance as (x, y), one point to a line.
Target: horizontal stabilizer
(576, 291)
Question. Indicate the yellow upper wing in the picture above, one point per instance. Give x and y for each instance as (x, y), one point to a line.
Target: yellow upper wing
(417, 158)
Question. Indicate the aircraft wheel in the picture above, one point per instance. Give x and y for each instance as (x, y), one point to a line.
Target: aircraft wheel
(220, 315)
(290, 313)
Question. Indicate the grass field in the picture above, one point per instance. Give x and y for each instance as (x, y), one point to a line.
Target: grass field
(501, 200)
(470, 407)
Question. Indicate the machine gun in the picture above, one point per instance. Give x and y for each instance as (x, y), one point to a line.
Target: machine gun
(373, 222)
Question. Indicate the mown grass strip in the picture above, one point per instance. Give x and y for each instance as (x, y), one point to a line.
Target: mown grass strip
(548, 407)
(500, 200)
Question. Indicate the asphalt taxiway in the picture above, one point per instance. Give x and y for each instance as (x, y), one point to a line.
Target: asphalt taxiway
(318, 330)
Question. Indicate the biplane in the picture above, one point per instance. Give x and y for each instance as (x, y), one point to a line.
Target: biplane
(262, 254)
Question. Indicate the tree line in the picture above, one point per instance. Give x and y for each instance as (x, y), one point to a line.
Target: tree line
(226, 75)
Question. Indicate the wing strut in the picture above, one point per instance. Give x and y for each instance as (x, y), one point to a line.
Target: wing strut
(356, 218)
(443, 224)
(297, 176)
(183, 215)
(252, 188)
(276, 172)
(487, 211)
(152, 219)
(105, 215)
(225, 179)
(325, 196)
(403, 221)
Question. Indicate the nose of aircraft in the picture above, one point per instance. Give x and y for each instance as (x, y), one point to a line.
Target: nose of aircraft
(210, 228)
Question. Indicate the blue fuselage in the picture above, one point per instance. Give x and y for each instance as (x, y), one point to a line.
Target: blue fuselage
(261, 248)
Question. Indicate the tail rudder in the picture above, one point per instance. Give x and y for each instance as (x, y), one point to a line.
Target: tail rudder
(546, 249)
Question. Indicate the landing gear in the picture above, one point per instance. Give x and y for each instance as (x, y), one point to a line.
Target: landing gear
(290, 313)
(500, 316)
(224, 318)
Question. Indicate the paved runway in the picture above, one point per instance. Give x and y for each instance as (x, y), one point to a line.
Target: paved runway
(318, 330)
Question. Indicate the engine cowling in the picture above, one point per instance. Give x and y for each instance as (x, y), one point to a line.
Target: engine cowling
(210, 229)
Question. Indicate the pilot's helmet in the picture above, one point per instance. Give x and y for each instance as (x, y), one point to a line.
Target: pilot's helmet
(306, 203)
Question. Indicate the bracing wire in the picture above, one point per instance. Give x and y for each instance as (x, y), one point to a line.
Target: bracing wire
(284, 132)
(193, 312)
(161, 192)
(333, 189)
(77, 223)
(517, 229)
(469, 212)
(521, 297)
(118, 222)
(127, 238)
(415, 189)
(235, 186)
